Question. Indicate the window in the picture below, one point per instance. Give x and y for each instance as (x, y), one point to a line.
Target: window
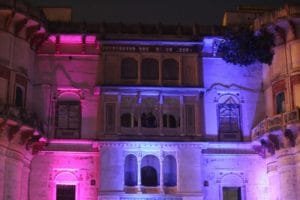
(170, 171)
(190, 119)
(129, 68)
(68, 119)
(130, 170)
(229, 120)
(280, 103)
(128, 120)
(232, 193)
(170, 69)
(110, 113)
(148, 120)
(150, 69)
(169, 121)
(65, 192)
(19, 98)
(150, 171)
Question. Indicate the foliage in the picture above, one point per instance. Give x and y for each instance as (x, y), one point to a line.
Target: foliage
(242, 46)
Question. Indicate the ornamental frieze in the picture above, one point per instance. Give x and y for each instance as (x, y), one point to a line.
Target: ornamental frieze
(158, 49)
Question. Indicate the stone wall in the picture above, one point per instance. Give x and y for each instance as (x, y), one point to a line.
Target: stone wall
(65, 164)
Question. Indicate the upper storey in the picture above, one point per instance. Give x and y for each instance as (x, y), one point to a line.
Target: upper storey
(157, 63)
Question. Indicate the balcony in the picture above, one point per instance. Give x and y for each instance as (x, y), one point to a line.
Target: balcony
(22, 127)
(277, 132)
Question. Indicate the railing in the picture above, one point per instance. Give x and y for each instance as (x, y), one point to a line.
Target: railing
(275, 123)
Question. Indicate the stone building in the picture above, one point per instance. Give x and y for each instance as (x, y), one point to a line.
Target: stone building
(116, 111)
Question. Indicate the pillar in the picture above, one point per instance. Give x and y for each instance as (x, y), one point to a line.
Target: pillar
(286, 174)
(13, 176)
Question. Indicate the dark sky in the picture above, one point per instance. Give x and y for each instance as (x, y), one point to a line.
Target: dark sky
(153, 11)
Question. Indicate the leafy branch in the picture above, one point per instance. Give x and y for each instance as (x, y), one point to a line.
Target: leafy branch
(242, 46)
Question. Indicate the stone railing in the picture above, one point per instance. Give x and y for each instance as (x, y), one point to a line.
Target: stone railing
(277, 132)
(270, 17)
(274, 123)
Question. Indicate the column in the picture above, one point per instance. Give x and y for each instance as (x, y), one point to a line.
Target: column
(139, 168)
(161, 101)
(286, 173)
(13, 175)
(160, 71)
(297, 166)
(180, 71)
(182, 119)
(273, 179)
(161, 175)
(25, 182)
(2, 171)
(139, 70)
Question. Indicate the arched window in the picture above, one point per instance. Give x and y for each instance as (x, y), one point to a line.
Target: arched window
(170, 171)
(128, 120)
(19, 99)
(130, 172)
(150, 69)
(170, 69)
(150, 171)
(280, 103)
(229, 120)
(68, 116)
(148, 120)
(129, 68)
(169, 121)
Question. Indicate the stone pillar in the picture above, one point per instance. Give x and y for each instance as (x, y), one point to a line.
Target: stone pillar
(297, 166)
(272, 173)
(2, 171)
(13, 176)
(286, 173)
(161, 102)
(139, 81)
(161, 180)
(139, 178)
(25, 181)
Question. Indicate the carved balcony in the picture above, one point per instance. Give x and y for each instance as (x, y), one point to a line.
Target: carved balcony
(22, 127)
(277, 132)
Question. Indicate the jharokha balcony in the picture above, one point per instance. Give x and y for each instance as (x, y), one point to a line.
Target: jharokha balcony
(20, 129)
(276, 132)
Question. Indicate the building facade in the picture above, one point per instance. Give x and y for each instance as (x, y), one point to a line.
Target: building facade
(117, 111)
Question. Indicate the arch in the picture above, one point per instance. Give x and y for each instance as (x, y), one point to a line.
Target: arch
(229, 119)
(169, 121)
(19, 99)
(170, 69)
(280, 102)
(66, 186)
(150, 69)
(66, 177)
(129, 68)
(68, 116)
(150, 171)
(232, 186)
(130, 170)
(128, 120)
(68, 96)
(149, 120)
(170, 171)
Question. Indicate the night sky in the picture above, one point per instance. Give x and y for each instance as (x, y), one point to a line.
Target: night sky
(204, 12)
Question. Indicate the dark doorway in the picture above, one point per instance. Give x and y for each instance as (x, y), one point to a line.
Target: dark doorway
(65, 192)
(19, 97)
(232, 193)
(149, 176)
